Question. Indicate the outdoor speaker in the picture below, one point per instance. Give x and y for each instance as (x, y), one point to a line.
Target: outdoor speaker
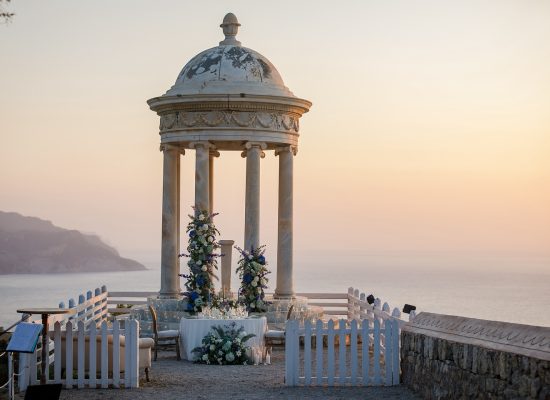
(43, 392)
(407, 308)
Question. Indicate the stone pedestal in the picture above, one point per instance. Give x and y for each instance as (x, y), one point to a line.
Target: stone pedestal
(227, 252)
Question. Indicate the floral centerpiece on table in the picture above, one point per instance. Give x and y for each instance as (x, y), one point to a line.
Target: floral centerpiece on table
(252, 272)
(224, 346)
(202, 262)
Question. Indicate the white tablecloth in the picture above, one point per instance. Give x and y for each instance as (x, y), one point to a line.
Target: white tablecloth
(193, 330)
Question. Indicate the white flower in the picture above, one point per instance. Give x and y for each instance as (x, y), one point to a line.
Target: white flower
(252, 305)
(230, 357)
(262, 282)
(199, 262)
(256, 278)
(254, 283)
(204, 268)
(210, 239)
(250, 257)
(205, 357)
(220, 352)
(238, 353)
(201, 217)
(205, 227)
(212, 347)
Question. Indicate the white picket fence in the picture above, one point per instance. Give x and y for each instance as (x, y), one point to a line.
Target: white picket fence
(99, 354)
(96, 351)
(360, 360)
(367, 344)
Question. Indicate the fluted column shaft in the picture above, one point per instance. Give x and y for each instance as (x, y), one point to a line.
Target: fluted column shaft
(285, 283)
(169, 284)
(253, 154)
(212, 154)
(202, 175)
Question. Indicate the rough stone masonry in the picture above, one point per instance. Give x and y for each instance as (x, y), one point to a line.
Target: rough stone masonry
(449, 357)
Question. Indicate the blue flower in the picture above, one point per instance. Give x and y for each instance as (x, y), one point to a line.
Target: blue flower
(189, 307)
(200, 281)
(192, 233)
(247, 278)
(194, 295)
(261, 260)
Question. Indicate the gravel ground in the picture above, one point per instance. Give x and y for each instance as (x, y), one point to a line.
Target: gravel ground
(172, 379)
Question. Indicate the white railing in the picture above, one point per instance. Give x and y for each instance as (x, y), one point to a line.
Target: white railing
(359, 308)
(360, 363)
(87, 357)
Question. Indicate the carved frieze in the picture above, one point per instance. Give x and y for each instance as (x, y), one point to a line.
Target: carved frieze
(261, 120)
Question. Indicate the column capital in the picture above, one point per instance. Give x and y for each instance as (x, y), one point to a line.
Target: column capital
(250, 145)
(203, 144)
(289, 148)
(214, 152)
(168, 146)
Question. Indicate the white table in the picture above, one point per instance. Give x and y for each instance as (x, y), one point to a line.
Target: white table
(193, 330)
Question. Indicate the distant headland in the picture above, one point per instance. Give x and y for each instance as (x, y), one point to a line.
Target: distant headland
(30, 245)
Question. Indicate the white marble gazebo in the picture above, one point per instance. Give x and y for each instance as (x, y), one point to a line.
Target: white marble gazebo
(228, 98)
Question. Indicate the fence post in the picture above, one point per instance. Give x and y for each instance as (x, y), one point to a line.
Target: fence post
(116, 354)
(57, 352)
(89, 307)
(289, 346)
(69, 355)
(412, 315)
(342, 351)
(362, 306)
(388, 355)
(350, 303)
(319, 351)
(330, 353)
(396, 352)
(132, 346)
(104, 301)
(97, 313)
(376, 351)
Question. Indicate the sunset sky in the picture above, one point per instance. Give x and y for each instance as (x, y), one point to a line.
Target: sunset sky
(429, 130)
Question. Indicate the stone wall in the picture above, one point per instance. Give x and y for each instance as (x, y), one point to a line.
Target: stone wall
(447, 357)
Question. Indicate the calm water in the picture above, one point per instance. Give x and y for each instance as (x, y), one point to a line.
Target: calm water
(513, 289)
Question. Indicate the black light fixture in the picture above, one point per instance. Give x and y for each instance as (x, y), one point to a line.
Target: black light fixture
(407, 308)
(370, 299)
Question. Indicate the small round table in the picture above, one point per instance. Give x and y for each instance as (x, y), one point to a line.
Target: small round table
(45, 312)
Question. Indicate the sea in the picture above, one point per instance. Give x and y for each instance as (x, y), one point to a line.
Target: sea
(512, 288)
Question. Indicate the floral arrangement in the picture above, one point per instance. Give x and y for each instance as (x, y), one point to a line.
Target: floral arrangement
(224, 346)
(202, 261)
(221, 312)
(252, 272)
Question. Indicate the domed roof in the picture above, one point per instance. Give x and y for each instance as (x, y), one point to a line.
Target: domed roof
(229, 69)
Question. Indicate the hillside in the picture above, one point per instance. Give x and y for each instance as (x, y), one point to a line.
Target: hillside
(30, 245)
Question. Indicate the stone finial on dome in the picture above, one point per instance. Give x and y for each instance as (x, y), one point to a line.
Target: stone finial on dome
(230, 26)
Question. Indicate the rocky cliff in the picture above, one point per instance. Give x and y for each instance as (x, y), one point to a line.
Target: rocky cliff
(30, 245)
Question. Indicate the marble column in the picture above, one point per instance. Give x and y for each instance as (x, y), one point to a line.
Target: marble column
(178, 214)
(253, 153)
(202, 175)
(169, 280)
(212, 155)
(285, 285)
